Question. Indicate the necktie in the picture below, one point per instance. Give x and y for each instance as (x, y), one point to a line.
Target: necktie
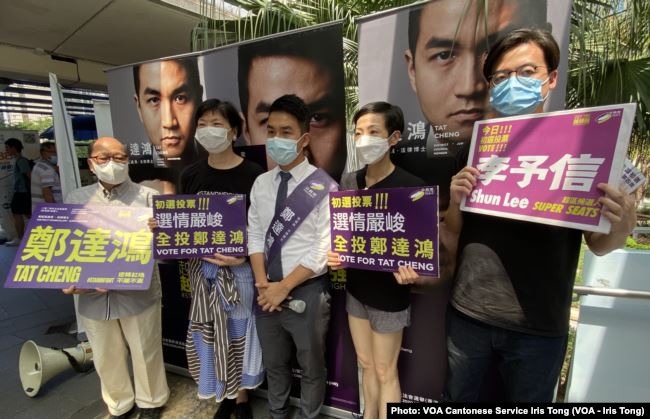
(275, 265)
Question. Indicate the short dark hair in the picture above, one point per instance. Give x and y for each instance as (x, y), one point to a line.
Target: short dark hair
(14, 143)
(47, 145)
(225, 109)
(392, 114)
(532, 8)
(190, 64)
(542, 38)
(305, 46)
(295, 107)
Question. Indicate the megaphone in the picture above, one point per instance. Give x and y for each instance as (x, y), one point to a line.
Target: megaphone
(37, 365)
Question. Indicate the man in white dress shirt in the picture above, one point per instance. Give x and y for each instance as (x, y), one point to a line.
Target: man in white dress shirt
(120, 324)
(298, 269)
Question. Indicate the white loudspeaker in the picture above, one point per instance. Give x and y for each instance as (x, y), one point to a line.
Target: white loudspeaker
(37, 364)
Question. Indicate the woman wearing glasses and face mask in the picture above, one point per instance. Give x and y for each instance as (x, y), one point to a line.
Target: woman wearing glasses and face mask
(378, 303)
(212, 278)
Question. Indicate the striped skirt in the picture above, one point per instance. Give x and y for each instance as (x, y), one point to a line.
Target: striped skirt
(244, 368)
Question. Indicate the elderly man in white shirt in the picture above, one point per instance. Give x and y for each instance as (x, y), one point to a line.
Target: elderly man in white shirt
(295, 268)
(122, 323)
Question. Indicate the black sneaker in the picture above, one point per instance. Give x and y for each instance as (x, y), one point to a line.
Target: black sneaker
(226, 407)
(243, 411)
(151, 413)
(123, 415)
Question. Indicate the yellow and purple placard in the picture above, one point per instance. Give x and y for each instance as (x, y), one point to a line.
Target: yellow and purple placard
(191, 226)
(382, 229)
(546, 167)
(88, 246)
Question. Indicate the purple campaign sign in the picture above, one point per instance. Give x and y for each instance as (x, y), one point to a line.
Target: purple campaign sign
(382, 229)
(199, 225)
(546, 167)
(88, 246)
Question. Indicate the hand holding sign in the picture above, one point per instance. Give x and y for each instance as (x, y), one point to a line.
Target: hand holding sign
(406, 275)
(333, 261)
(619, 208)
(462, 184)
(223, 260)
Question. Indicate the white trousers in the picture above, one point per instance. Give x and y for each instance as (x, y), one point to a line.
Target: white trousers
(111, 341)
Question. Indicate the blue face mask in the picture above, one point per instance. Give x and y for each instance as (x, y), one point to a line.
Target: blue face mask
(282, 150)
(54, 160)
(517, 96)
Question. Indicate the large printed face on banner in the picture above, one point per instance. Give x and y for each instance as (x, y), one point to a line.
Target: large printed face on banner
(448, 42)
(306, 67)
(167, 93)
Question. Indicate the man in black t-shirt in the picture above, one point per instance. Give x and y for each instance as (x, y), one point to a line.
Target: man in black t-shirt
(514, 279)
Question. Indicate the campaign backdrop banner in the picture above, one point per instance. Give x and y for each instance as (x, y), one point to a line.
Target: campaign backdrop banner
(152, 111)
(383, 229)
(545, 168)
(153, 103)
(426, 58)
(199, 225)
(88, 246)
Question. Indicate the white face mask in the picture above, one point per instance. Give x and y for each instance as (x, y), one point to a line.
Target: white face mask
(111, 172)
(371, 149)
(213, 139)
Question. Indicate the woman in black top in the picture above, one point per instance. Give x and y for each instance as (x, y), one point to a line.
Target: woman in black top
(223, 350)
(378, 303)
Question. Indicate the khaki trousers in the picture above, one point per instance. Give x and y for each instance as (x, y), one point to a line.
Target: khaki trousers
(111, 341)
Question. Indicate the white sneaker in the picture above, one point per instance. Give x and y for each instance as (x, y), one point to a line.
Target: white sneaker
(14, 242)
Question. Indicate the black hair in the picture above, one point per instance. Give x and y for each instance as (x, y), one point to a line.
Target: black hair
(294, 106)
(225, 109)
(191, 66)
(14, 143)
(47, 145)
(307, 47)
(535, 14)
(542, 38)
(392, 114)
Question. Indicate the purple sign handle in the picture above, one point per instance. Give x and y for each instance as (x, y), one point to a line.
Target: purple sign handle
(383, 229)
(192, 226)
(88, 246)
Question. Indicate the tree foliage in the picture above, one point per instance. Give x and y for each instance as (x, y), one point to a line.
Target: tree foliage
(609, 63)
(37, 125)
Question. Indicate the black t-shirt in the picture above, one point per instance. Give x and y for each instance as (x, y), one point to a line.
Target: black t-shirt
(516, 275)
(377, 289)
(201, 178)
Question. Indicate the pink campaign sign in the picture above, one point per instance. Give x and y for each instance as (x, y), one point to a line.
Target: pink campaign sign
(546, 167)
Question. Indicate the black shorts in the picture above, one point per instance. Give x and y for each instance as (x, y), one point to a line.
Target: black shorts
(21, 203)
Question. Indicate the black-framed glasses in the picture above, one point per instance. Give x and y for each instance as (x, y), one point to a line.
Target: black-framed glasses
(526, 70)
(103, 158)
